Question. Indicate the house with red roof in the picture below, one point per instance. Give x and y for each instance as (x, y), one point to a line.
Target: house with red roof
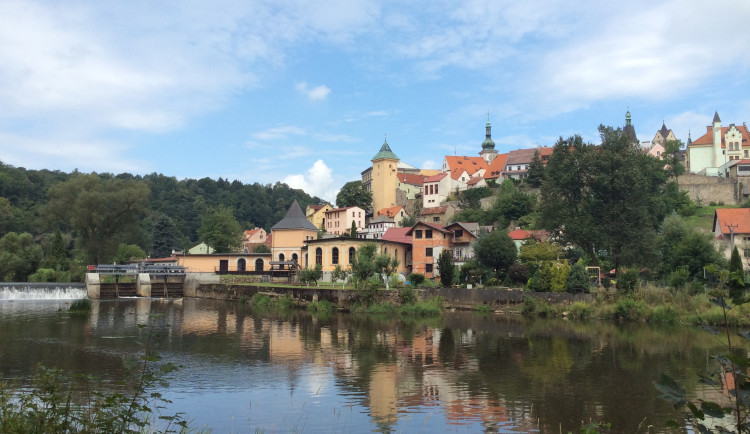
(436, 190)
(410, 184)
(395, 213)
(462, 168)
(519, 236)
(428, 240)
(711, 153)
(732, 227)
(440, 215)
(252, 238)
(518, 161)
(496, 167)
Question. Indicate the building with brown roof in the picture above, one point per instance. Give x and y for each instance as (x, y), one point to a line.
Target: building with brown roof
(395, 213)
(496, 167)
(440, 215)
(316, 214)
(711, 152)
(732, 227)
(518, 161)
(252, 238)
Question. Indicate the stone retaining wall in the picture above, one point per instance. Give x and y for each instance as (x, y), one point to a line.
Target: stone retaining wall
(707, 189)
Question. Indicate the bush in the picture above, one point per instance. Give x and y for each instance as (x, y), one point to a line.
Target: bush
(430, 307)
(323, 306)
(679, 278)
(415, 278)
(627, 309)
(43, 275)
(664, 315)
(518, 273)
(80, 305)
(578, 279)
(580, 310)
(386, 308)
(407, 295)
(483, 308)
(627, 280)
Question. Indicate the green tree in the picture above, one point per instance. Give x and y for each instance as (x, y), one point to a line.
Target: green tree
(446, 267)
(261, 248)
(683, 247)
(164, 237)
(221, 230)
(578, 279)
(353, 193)
(311, 275)
(353, 230)
(19, 256)
(340, 273)
(103, 211)
(608, 198)
(363, 263)
(535, 174)
(496, 251)
(58, 256)
(127, 252)
(671, 158)
(385, 266)
(409, 221)
(472, 197)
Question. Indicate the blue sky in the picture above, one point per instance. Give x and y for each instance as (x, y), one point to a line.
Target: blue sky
(303, 92)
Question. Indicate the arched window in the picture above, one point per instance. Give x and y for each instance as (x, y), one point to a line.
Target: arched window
(319, 256)
(258, 264)
(335, 256)
(241, 264)
(352, 252)
(295, 258)
(281, 257)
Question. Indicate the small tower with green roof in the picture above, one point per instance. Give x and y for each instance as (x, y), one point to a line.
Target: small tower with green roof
(384, 178)
(488, 151)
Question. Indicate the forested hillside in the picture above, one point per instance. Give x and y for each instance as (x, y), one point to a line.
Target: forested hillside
(97, 212)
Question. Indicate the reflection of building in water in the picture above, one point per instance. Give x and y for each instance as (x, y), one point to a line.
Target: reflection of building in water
(383, 393)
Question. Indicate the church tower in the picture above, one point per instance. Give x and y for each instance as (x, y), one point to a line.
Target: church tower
(488, 151)
(629, 130)
(719, 154)
(384, 178)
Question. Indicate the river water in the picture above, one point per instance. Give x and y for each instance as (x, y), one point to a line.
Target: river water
(248, 371)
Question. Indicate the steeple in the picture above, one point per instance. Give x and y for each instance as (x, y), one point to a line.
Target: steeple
(488, 144)
(716, 117)
(385, 152)
(627, 119)
(629, 130)
(689, 139)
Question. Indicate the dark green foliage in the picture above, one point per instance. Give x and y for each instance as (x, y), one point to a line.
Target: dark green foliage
(80, 305)
(518, 273)
(538, 284)
(261, 248)
(311, 275)
(627, 280)
(58, 256)
(128, 252)
(385, 266)
(19, 257)
(353, 193)
(446, 268)
(321, 306)
(353, 230)
(363, 264)
(682, 247)
(220, 230)
(471, 198)
(472, 272)
(164, 237)
(415, 278)
(735, 262)
(607, 198)
(578, 279)
(408, 221)
(407, 294)
(496, 251)
(535, 174)
(43, 275)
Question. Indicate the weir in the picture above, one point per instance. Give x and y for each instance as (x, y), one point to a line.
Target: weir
(42, 291)
(132, 281)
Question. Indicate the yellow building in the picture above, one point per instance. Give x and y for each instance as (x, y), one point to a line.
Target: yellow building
(316, 214)
(330, 252)
(289, 235)
(225, 262)
(384, 176)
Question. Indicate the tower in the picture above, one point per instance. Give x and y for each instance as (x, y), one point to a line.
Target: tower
(488, 151)
(384, 178)
(629, 130)
(719, 154)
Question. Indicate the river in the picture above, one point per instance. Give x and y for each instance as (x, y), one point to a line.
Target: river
(247, 371)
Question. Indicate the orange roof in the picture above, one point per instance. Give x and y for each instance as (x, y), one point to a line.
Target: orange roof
(520, 235)
(250, 232)
(496, 166)
(459, 164)
(397, 235)
(474, 180)
(434, 210)
(733, 216)
(435, 178)
(390, 212)
(411, 178)
(437, 227)
(708, 138)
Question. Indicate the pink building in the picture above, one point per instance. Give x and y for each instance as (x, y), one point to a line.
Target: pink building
(339, 220)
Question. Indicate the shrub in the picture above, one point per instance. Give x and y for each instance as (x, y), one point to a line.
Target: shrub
(415, 278)
(43, 275)
(627, 280)
(261, 300)
(323, 306)
(627, 309)
(386, 308)
(407, 295)
(664, 315)
(578, 279)
(80, 305)
(518, 273)
(243, 299)
(679, 278)
(430, 307)
(483, 308)
(580, 310)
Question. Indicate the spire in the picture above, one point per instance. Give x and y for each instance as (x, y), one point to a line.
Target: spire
(689, 139)
(294, 219)
(716, 117)
(627, 118)
(488, 144)
(385, 152)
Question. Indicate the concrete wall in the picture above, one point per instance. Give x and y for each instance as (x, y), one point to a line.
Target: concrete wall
(707, 189)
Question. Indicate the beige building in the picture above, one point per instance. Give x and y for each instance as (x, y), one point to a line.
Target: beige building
(384, 178)
(711, 153)
(396, 213)
(316, 214)
(225, 262)
(340, 251)
(252, 238)
(289, 235)
(338, 221)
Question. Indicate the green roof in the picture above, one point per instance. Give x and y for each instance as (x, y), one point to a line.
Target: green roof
(385, 153)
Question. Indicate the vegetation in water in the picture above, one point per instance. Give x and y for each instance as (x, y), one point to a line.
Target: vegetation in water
(81, 305)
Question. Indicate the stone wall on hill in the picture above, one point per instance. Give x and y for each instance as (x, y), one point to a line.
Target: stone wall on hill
(707, 189)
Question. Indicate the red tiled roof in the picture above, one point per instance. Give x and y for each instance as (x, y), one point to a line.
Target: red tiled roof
(437, 227)
(411, 178)
(496, 167)
(708, 138)
(459, 164)
(397, 235)
(340, 209)
(520, 235)
(434, 210)
(435, 178)
(250, 232)
(474, 180)
(390, 212)
(733, 216)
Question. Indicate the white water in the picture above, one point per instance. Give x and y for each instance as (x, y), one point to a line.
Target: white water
(40, 292)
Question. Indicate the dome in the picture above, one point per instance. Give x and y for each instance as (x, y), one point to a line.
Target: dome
(488, 144)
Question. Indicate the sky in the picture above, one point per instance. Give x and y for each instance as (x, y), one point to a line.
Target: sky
(306, 92)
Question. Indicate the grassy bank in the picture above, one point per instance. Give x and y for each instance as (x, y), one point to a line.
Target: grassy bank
(648, 304)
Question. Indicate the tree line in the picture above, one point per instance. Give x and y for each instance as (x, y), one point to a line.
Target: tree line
(63, 221)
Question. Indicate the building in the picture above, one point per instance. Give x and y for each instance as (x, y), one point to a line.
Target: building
(519, 236)
(383, 178)
(341, 251)
(436, 190)
(288, 236)
(225, 263)
(629, 130)
(376, 227)
(410, 184)
(488, 152)
(518, 161)
(732, 228)
(338, 221)
(711, 152)
(315, 214)
(663, 136)
(440, 215)
(428, 240)
(252, 238)
(201, 248)
(396, 213)
(463, 237)
(462, 168)
(496, 167)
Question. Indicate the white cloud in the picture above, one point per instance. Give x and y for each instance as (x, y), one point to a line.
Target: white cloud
(278, 133)
(315, 94)
(317, 181)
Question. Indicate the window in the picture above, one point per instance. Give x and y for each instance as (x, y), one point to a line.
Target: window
(335, 256)
(428, 268)
(746, 253)
(281, 257)
(418, 234)
(436, 188)
(259, 265)
(428, 233)
(352, 252)
(319, 256)
(436, 219)
(428, 252)
(459, 233)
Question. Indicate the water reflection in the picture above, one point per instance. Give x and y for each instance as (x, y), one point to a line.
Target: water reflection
(243, 369)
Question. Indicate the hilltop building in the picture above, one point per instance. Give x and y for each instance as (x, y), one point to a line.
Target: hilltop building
(629, 130)
(382, 179)
(714, 152)
(488, 152)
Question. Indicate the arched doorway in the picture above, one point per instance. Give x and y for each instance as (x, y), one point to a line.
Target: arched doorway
(295, 258)
(241, 265)
(258, 264)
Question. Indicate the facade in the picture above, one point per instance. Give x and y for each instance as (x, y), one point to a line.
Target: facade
(340, 251)
(338, 221)
(225, 262)
(428, 240)
(732, 225)
(518, 161)
(411, 184)
(708, 154)
(435, 190)
(201, 248)
(376, 228)
(253, 237)
(463, 237)
(440, 215)
(383, 178)
(288, 236)
(663, 136)
(315, 214)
